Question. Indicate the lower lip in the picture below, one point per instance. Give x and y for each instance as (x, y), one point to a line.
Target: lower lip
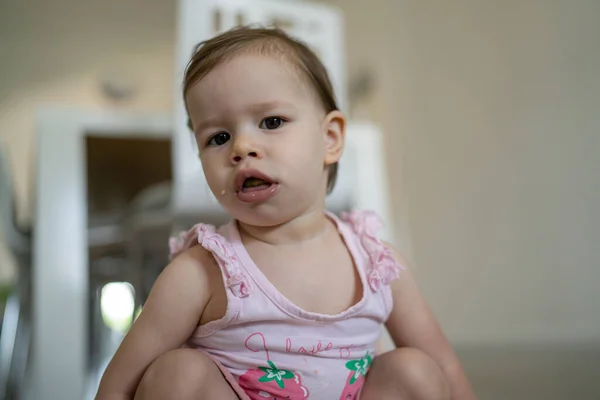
(258, 196)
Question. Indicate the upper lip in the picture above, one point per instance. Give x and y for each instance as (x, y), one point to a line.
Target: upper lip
(244, 174)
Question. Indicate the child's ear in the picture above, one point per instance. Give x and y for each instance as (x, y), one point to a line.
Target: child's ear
(334, 127)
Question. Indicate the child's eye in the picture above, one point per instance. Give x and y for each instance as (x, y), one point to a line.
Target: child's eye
(219, 139)
(271, 123)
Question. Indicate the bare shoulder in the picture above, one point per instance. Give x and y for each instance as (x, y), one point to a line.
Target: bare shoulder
(397, 255)
(193, 262)
(197, 276)
(406, 275)
(405, 291)
(190, 272)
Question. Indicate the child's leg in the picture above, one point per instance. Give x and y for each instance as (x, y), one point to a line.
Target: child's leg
(184, 374)
(405, 374)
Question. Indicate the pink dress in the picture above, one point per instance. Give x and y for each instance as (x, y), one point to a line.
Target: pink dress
(269, 348)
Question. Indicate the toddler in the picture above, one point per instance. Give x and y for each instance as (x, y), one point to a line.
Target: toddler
(286, 301)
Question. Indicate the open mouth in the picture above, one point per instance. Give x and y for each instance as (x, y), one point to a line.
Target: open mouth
(253, 184)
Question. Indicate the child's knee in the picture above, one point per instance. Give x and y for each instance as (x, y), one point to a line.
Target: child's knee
(421, 374)
(413, 373)
(181, 372)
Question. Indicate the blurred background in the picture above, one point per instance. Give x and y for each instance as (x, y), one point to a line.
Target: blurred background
(490, 115)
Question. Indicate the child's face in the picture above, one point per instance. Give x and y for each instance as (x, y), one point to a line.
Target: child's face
(254, 117)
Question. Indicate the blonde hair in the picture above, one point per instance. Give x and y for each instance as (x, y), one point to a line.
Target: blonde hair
(264, 41)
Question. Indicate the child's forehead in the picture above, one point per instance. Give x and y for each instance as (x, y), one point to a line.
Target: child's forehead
(282, 66)
(267, 71)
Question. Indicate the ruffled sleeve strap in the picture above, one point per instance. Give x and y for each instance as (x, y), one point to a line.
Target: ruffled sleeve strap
(384, 267)
(236, 279)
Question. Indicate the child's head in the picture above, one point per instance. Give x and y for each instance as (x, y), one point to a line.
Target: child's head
(261, 105)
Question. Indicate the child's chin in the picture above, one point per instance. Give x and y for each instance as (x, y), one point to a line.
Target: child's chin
(261, 215)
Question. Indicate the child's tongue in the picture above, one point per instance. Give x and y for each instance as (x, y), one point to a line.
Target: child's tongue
(252, 184)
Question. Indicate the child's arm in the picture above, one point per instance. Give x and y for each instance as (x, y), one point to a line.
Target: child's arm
(170, 315)
(412, 324)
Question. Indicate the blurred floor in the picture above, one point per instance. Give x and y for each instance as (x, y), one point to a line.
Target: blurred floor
(528, 373)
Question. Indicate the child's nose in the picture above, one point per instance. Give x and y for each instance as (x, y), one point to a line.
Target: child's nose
(243, 147)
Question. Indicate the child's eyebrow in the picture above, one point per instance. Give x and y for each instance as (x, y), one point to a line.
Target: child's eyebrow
(205, 124)
(269, 105)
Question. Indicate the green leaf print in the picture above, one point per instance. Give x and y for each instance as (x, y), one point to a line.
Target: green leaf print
(275, 374)
(361, 367)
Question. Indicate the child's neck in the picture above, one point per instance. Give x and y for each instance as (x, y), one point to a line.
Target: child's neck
(309, 226)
